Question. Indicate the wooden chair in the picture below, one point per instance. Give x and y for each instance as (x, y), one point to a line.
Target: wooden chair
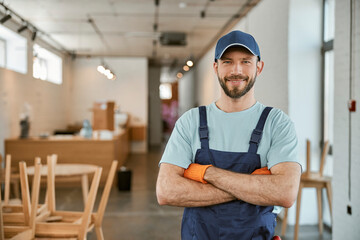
(9, 177)
(312, 180)
(96, 218)
(66, 229)
(26, 231)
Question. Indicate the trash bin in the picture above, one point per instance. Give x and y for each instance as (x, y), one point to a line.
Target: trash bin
(124, 179)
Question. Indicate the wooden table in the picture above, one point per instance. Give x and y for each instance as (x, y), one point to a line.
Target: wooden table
(71, 150)
(70, 170)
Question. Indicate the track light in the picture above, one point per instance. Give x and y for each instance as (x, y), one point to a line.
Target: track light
(186, 68)
(190, 63)
(22, 28)
(5, 18)
(107, 72)
(179, 75)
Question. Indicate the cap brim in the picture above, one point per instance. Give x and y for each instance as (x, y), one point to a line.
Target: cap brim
(236, 44)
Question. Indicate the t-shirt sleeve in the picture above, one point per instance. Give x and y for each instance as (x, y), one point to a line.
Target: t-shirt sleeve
(284, 142)
(178, 150)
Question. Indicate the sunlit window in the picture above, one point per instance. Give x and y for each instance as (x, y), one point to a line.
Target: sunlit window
(46, 65)
(165, 91)
(13, 51)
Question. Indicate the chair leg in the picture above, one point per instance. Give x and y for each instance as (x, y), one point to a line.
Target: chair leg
(284, 223)
(298, 204)
(318, 191)
(99, 233)
(329, 196)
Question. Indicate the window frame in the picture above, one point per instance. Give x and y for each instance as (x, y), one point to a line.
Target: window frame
(327, 46)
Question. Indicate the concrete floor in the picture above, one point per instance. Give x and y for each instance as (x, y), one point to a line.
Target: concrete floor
(135, 214)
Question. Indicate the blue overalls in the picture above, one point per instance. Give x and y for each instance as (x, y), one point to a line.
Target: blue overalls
(236, 219)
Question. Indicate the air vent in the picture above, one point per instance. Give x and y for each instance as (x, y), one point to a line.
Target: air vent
(173, 39)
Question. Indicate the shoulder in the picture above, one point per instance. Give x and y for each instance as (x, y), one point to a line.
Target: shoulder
(278, 117)
(188, 117)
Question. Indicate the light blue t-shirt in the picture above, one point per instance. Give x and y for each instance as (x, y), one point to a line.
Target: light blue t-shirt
(231, 132)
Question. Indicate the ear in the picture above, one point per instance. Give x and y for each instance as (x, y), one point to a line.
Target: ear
(259, 67)
(215, 67)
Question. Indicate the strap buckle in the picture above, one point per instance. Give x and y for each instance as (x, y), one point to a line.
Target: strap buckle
(256, 136)
(203, 132)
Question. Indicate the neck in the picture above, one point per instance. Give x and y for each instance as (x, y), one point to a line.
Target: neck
(227, 104)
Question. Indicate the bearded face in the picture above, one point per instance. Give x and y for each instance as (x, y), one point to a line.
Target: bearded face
(236, 86)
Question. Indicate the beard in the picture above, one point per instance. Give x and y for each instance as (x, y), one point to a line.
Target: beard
(237, 92)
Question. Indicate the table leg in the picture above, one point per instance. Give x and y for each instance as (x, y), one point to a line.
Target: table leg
(85, 186)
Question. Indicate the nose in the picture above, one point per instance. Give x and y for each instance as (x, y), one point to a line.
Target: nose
(237, 68)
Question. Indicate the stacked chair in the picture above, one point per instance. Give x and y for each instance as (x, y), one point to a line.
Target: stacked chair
(18, 222)
(71, 224)
(22, 222)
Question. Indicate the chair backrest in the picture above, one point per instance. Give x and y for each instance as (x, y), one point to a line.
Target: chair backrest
(50, 196)
(324, 153)
(25, 192)
(1, 220)
(7, 179)
(35, 195)
(90, 203)
(106, 193)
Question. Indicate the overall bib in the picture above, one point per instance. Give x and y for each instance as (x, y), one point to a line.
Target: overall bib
(236, 219)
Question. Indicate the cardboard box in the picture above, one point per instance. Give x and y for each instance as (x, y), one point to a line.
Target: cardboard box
(103, 116)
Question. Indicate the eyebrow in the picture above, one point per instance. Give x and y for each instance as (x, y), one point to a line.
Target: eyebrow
(244, 58)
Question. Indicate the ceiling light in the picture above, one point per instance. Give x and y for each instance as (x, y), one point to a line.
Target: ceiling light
(22, 28)
(5, 18)
(186, 68)
(179, 75)
(190, 63)
(101, 68)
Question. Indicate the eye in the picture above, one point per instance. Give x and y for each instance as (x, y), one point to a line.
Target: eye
(226, 61)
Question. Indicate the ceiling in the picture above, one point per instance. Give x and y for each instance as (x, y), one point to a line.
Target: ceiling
(131, 28)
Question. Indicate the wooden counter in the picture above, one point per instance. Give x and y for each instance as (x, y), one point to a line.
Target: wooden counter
(71, 150)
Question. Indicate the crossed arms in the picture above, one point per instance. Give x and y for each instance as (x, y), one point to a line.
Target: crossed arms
(280, 188)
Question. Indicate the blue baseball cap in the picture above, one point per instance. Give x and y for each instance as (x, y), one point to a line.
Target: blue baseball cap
(236, 38)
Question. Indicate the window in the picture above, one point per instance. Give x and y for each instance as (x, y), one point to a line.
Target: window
(46, 65)
(165, 91)
(328, 70)
(13, 51)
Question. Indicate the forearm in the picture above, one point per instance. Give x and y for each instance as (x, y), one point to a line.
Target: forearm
(276, 189)
(175, 190)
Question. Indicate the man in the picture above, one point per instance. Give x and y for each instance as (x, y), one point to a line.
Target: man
(208, 161)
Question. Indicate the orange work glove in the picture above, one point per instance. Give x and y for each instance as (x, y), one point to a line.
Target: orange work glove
(196, 172)
(262, 171)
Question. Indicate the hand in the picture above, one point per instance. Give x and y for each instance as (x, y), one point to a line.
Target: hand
(261, 171)
(196, 172)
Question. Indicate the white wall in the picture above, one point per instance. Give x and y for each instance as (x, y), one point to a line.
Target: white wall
(48, 100)
(345, 133)
(129, 90)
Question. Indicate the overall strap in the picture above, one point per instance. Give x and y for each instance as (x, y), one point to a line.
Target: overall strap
(203, 128)
(258, 131)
